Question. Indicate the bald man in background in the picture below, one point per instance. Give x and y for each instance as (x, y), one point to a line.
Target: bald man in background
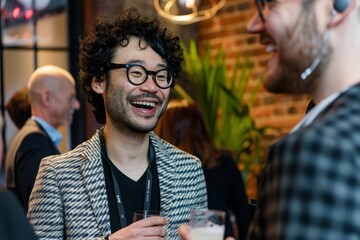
(53, 101)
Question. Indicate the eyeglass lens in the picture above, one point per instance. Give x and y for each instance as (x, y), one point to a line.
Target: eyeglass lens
(138, 74)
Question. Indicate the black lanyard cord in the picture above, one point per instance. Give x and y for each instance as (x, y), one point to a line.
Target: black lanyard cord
(118, 199)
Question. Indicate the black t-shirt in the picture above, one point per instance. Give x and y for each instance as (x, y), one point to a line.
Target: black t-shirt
(132, 192)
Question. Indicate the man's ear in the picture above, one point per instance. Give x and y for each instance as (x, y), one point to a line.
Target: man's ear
(45, 97)
(337, 16)
(98, 85)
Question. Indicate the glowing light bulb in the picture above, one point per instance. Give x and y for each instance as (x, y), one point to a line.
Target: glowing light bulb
(189, 4)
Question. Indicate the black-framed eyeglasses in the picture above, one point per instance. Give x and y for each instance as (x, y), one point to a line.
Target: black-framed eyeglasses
(260, 5)
(137, 75)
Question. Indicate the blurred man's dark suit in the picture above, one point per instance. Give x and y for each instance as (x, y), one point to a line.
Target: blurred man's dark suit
(30, 145)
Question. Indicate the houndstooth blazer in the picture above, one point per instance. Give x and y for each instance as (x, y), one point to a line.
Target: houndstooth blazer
(69, 198)
(311, 183)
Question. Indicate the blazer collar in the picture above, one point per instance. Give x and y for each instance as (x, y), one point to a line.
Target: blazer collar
(94, 181)
(166, 165)
(93, 174)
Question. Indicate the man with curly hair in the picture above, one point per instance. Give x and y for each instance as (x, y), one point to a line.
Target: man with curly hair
(127, 66)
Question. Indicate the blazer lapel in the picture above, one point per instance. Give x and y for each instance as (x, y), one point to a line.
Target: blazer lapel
(166, 171)
(93, 173)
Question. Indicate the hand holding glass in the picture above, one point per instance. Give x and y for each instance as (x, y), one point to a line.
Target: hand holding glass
(207, 224)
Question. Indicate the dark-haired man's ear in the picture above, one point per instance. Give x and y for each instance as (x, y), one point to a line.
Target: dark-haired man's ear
(98, 85)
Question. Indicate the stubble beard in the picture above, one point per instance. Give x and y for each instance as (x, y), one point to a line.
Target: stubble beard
(120, 117)
(296, 53)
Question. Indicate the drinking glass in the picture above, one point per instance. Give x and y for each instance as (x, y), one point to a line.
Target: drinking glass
(141, 214)
(207, 224)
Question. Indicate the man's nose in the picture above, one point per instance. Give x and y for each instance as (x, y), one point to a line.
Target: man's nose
(150, 83)
(255, 24)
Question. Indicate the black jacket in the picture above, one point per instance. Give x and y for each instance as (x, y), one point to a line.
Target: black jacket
(29, 146)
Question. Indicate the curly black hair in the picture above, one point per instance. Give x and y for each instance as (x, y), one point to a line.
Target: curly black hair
(98, 44)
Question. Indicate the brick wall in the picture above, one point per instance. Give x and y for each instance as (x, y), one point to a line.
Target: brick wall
(228, 28)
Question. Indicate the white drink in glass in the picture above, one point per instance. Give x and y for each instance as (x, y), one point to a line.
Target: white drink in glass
(207, 233)
(207, 224)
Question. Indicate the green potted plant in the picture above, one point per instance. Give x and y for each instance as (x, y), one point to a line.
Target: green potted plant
(225, 104)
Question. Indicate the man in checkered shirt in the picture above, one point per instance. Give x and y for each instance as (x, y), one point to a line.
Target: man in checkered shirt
(310, 186)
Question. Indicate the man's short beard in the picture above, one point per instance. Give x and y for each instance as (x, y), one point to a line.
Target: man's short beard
(123, 123)
(296, 53)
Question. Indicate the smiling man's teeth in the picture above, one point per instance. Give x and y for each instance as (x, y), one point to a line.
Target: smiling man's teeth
(148, 104)
(270, 48)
